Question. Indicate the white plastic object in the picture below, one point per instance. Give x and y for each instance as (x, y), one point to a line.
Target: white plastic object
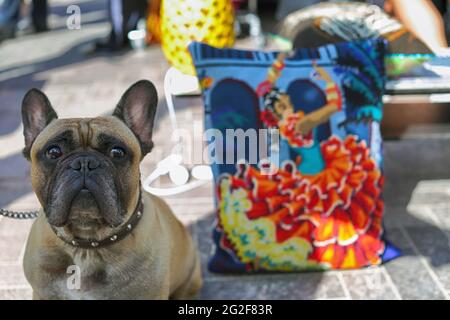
(179, 175)
(177, 83)
(202, 172)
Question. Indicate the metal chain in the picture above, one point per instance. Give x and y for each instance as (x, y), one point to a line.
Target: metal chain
(19, 215)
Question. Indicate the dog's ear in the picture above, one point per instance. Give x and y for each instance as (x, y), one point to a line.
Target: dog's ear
(137, 108)
(37, 113)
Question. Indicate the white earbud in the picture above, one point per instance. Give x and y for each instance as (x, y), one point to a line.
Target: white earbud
(179, 175)
(202, 172)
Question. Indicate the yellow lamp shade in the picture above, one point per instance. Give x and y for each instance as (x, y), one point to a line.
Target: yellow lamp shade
(183, 21)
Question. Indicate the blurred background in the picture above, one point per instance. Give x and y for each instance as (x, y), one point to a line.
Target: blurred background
(84, 54)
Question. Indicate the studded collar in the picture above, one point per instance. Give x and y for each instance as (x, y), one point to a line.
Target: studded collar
(116, 237)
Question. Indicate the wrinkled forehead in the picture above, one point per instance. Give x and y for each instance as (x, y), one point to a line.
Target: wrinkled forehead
(87, 132)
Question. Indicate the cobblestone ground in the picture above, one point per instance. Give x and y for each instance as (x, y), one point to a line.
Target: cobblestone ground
(82, 84)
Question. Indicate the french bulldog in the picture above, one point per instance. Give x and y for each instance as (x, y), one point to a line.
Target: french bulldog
(98, 234)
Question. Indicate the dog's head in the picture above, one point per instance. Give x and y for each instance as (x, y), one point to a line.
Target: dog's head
(85, 171)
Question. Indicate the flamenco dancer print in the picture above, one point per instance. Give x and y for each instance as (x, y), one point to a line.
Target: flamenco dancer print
(322, 209)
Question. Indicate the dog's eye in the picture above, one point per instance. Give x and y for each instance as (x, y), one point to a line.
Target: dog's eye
(117, 152)
(53, 152)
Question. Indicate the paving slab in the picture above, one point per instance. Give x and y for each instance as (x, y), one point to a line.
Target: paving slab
(412, 277)
(278, 287)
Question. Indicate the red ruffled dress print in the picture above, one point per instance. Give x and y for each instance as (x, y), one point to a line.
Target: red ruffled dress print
(287, 130)
(338, 211)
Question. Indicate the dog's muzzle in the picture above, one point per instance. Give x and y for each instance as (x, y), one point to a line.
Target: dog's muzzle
(79, 174)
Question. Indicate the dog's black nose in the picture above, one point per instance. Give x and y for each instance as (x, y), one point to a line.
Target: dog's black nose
(85, 163)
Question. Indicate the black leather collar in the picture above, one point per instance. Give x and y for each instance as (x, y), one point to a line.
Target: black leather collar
(116, 237)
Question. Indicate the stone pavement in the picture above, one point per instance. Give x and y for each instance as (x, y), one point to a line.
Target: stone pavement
(81, 84)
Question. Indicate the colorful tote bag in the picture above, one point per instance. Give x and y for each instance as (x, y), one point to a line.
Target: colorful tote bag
(303, 190)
